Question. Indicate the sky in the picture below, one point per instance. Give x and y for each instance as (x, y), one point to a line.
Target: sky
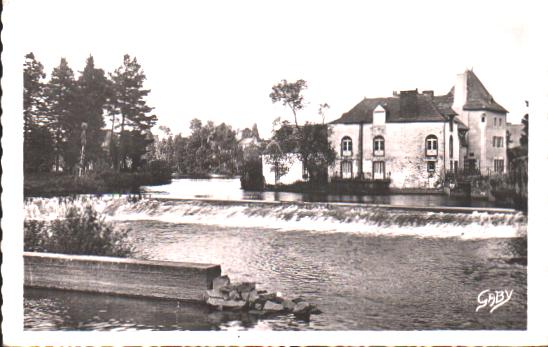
(218, 60)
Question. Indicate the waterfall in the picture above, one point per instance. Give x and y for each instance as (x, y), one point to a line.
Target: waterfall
(312, 217)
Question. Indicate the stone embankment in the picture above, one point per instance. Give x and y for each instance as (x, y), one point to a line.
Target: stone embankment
(245, 297)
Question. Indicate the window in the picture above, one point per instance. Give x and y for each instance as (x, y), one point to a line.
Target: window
(379, 115)
(495, 121)
(431, 146)
(451, 146)
(378, 146)
(451, 125)
(483, 118)
(346, 169)
(431, 166)
(499, 165)
(378, 170)
(346, 146)
(498, 141)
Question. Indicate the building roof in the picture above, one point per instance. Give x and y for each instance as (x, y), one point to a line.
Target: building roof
(425, 108)
(477, 96)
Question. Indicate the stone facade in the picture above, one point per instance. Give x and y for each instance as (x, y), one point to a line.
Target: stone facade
(486, 121)
(415, 139)
(404, 158)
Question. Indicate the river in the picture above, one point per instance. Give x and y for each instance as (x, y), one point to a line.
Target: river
(366, 268)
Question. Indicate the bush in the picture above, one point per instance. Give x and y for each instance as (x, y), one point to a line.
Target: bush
(82, 231)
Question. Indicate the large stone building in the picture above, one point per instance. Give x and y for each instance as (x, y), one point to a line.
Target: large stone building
(414, 139)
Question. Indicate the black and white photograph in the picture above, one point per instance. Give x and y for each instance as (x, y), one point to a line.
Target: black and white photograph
(260, 172)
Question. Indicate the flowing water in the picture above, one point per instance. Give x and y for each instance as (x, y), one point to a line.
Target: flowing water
(366, 268)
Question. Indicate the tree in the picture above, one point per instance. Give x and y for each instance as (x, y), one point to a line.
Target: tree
(289, 94)
(33, 92)
(92, 91)
(60, 99)
(524, 139)
(38, 143)
(255, 131)
(311, 142)
(322, 109)
(128, 102)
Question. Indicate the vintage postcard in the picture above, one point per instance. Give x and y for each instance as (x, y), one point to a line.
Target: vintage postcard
(289, 172)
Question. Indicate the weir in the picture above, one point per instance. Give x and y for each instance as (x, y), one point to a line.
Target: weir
(120, 276)
(367, 219)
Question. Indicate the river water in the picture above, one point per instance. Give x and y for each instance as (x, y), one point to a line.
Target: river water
(366, 268)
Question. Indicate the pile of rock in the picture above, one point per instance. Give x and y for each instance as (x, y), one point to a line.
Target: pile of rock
(244, 296)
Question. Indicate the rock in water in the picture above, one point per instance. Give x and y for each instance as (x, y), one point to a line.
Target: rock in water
(234, 295)
(245, 287)
(302, 310)
(271, 306)
(288, 305)
(221, 281)
(253, 296)
(226, 304)
(214, 293)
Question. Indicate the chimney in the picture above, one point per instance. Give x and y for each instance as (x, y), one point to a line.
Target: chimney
(429, 93)
(408, 103)
(460, 91)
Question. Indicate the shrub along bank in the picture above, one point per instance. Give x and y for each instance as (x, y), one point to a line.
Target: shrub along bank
(81, 231)
(59, 184)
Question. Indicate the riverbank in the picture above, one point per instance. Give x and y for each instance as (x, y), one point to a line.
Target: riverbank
(349, 188)
(59, 184)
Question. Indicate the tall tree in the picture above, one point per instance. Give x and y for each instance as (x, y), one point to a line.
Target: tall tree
(128, 101)
(311, 142)
(289, 94)
(37, 148)
(60, 98)
(33, 91)
(92, 90)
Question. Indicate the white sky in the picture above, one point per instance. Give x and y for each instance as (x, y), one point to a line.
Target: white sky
(217, 60)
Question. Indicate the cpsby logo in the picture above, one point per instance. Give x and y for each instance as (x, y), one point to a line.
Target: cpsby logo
(493, 299)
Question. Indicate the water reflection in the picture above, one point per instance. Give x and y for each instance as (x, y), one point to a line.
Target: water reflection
(229, 189)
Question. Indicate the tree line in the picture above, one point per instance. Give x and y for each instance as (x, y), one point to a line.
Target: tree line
(65, 117)
(209, 149)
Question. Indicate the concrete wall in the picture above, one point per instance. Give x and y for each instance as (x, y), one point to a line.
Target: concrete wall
(294, 174)
(158, 279)
(404, 154)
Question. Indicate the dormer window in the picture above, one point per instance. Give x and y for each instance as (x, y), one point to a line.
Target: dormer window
(346, 147)
(379, 115)
(378, 146)
(431, 146)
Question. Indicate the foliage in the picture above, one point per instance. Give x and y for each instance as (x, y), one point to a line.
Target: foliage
(92, 91)
(309, 142)
(55, 112)
(209, 149)
(128, 106)
(289, 94)
(60, 96)
(81, 231)
(279, 160)
(524, 139)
